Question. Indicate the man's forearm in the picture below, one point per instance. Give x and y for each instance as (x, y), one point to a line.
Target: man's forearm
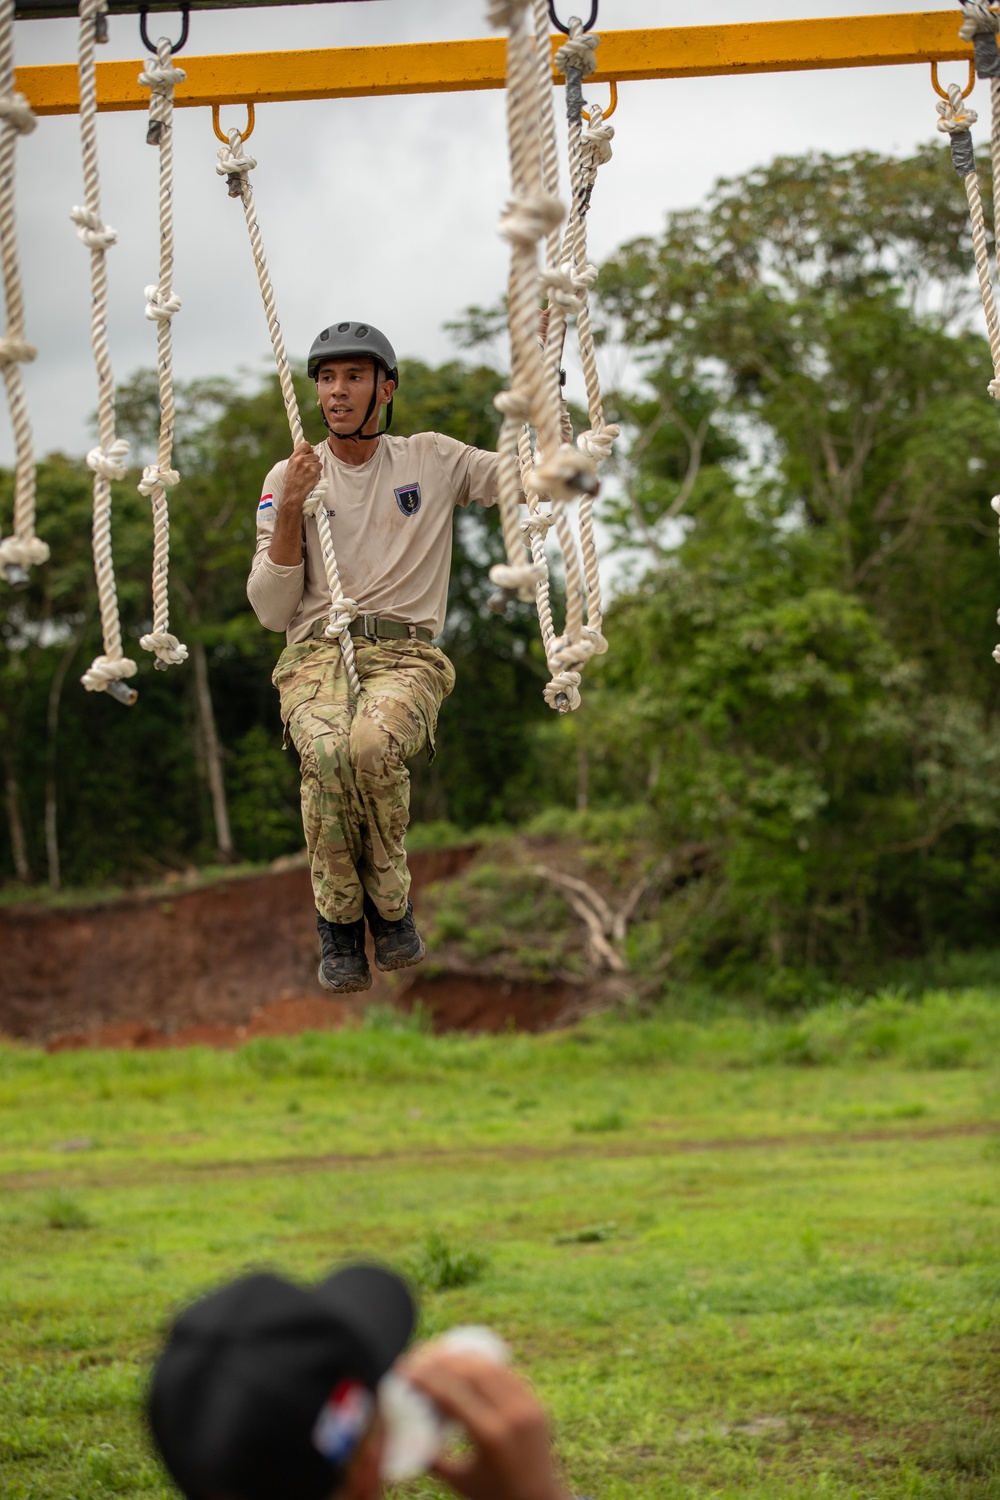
(286, 542)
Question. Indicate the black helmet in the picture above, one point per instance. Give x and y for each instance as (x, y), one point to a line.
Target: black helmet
(353, 340)
(356, 341)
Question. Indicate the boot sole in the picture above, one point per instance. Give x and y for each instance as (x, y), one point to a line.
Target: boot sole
(401, 963)
(349, 987)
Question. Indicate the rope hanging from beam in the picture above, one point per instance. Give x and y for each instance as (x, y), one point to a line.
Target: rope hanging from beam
(236, 166)
(557, 470)
(108, 672)
(162, 303)
(956, 118)
(22, 549)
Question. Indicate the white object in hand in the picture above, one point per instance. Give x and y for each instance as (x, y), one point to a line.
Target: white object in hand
(415, 1430)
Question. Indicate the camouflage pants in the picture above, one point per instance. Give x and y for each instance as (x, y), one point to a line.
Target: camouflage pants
(355, 785)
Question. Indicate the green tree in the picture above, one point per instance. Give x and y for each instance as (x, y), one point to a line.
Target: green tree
(804, 672)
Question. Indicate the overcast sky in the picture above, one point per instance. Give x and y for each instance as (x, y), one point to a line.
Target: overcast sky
(383, 209)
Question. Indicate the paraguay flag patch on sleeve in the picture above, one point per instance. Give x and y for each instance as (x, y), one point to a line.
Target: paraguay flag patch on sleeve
(408, 498)
(266, 503)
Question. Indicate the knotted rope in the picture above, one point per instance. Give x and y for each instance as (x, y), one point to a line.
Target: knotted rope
(161, 77)
(956, 118)
(564, 280)
(980, 27)
(559, 472)
(236, 167)
(22, 548)
(589, 150)
(106, 672)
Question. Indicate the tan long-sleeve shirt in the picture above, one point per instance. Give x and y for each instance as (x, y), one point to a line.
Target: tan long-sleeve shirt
(392, 531)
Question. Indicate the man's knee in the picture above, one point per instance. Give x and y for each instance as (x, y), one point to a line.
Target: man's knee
(325, 761)
(374, 750)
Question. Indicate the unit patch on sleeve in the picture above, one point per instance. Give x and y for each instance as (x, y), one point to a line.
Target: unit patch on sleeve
(408, 498)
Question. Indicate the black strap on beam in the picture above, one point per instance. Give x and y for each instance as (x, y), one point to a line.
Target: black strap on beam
(37, 10)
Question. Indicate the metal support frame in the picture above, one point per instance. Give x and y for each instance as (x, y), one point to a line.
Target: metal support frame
(444, 67)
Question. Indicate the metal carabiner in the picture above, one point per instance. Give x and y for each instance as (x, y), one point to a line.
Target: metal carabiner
(244, 134)
(175, 47)
(591, 20)
(612, 106)
(944, 92)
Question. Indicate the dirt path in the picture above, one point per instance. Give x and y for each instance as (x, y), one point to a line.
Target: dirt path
(166, 1172)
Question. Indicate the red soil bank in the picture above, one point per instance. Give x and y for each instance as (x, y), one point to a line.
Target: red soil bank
(217, 965)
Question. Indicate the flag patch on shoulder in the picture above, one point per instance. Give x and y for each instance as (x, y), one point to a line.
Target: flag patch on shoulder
(266, 502)
(408, 498)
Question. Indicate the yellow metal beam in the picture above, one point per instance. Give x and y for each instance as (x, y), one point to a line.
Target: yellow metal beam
(443, 67)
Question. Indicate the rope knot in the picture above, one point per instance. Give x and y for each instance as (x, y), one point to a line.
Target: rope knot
(166, 647)
(233, 161)
(92, 230)
(342, 612)
(598, 442)
(596, 141)
(978, 19)
(525, 221)
(23, 552)
(515, 405)
(502, 14)
(560, 286)
(161, 304)
(520, 579)
(578, 52)
(597, 639)
(980, 27)
(993, 389)
(568, 653)
(539, 523)
(104, 670)
(16, 112)
(564, 476)
(161, 77)
(313, 501)
(15, 351)
(154, 478)
(955, 114)
(563, 692)
(109, 463)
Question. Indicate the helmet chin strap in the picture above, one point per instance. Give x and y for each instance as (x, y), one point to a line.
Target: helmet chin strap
(359, 435)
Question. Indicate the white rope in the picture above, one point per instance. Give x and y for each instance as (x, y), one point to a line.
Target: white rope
(956, 118)
(533, 213)
(236, 166)
(106, 672)
(161, 77)
(980, 26)
(22, 549)
(589, 150)
(535, 395)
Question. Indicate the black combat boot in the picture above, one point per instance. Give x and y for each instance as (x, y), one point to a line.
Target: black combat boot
(343, 967)
(398, 945)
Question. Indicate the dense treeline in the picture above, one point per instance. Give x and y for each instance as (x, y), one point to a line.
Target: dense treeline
(800, 673)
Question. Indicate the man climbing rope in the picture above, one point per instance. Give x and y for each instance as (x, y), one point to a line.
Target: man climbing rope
(389, 504)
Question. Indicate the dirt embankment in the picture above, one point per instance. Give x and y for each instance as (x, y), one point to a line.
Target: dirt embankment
(218, 964)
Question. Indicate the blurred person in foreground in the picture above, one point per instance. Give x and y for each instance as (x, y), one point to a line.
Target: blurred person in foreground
(268, 1391)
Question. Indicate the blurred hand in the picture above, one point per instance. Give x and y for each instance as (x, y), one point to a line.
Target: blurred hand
(511, 1456)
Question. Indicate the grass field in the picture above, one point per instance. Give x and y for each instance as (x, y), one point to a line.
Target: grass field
(743, 1258)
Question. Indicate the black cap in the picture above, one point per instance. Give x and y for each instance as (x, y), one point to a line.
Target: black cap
(259, 1377)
